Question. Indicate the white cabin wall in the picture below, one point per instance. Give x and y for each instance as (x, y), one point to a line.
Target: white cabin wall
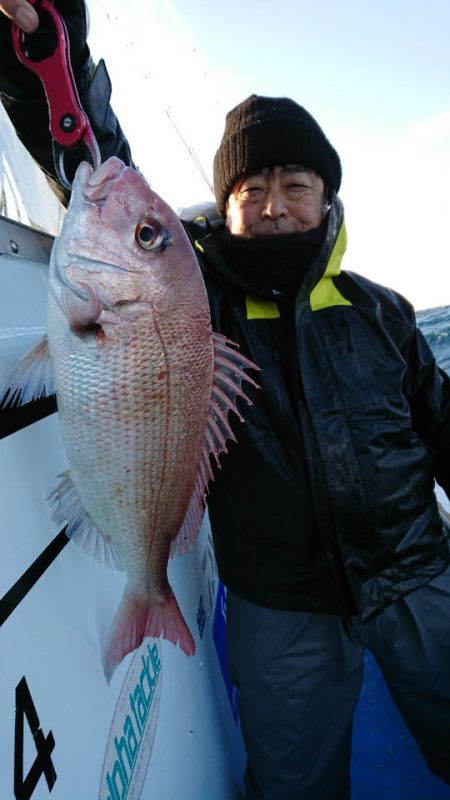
(25, 195)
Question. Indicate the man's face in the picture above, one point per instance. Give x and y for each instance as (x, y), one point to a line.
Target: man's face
(276, 200)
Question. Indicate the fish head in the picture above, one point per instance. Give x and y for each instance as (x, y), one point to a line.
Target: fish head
(122, 243)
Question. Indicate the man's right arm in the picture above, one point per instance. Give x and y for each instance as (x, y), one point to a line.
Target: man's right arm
(23, 98)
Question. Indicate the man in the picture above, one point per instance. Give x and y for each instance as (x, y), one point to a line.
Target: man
(325, 524)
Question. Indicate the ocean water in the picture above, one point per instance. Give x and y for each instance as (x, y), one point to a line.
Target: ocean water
(435, 325)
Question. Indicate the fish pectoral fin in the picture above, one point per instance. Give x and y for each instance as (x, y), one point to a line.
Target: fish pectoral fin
(69, 511)
(31, 379)
(137, 618)
(82, 313)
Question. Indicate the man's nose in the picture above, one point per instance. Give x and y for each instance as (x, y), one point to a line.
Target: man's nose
(274, 205)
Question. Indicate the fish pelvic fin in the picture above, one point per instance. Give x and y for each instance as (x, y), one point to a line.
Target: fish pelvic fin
(31, 379)
(137, 618)
(229, 374)
(68, 510)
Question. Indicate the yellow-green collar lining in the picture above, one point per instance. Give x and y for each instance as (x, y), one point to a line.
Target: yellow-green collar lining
(325, 294)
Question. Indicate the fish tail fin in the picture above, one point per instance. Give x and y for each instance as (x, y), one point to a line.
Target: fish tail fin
(137, 619)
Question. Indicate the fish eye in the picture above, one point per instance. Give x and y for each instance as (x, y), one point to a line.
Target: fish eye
(149, 235)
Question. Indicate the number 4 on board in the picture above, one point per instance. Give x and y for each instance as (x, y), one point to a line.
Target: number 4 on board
(42, 764)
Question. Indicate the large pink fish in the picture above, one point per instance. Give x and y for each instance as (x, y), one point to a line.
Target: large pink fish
(144, 388)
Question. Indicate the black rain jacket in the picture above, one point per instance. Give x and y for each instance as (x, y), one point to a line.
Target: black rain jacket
(327, 502)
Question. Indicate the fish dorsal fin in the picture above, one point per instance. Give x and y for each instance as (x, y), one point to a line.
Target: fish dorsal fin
(31, 378)
(229, 374)
(80, 528)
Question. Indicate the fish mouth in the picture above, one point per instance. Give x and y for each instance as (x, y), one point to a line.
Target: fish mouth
(95, 186)
(83, 192)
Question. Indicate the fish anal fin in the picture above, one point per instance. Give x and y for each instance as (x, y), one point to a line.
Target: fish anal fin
(31, 379)
(190, 528)
(137, 618)
(80, 528)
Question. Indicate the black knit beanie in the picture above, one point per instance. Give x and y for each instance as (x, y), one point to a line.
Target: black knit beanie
(268, 132)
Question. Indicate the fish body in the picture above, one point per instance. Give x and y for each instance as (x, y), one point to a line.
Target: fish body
(143, 387)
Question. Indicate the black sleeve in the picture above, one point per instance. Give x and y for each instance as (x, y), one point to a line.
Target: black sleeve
(429, 393)
(23, 98)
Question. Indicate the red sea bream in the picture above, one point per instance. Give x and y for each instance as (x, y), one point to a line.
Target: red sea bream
(143, 386)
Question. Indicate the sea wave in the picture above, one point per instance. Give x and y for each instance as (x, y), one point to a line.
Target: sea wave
(435, 325)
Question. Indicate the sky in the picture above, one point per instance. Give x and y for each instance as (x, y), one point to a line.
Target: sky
(375, 75)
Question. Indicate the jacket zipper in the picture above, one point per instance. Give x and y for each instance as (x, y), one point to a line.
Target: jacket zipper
(345, 324)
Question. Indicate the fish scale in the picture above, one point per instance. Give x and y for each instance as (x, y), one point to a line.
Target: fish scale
(151, 448)
(144, 388)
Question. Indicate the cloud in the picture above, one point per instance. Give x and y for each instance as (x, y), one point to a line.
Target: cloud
(431, 131)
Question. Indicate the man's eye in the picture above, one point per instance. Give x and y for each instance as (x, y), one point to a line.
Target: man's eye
(250, 191)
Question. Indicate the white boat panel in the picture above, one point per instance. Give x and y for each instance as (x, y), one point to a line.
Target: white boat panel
(166, 726)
